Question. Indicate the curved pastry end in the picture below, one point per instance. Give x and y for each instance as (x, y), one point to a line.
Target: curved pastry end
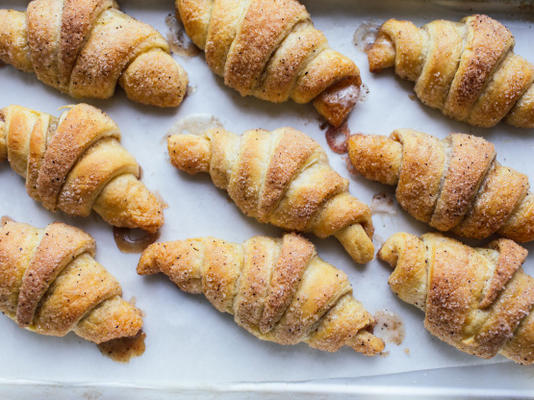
(189, 153)
(127, 203)
(381, 54)
(357, 243)
(336, 102)
(155, 79)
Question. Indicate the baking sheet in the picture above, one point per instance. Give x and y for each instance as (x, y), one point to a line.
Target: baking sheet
(188, 342)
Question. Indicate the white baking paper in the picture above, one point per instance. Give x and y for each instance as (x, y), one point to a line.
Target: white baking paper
(188, 342)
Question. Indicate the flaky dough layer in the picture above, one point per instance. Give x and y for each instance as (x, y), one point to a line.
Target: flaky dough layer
(277, 289)
(76, 164)
(85, 47)
(270, 49)
(282, 178)
(454, 184)
(478, 300)
(50, 284)
(466, 69)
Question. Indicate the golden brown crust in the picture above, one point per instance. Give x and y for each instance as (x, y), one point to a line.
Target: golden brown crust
(51, 284)
(270, 49)
(258, 263)
(79, 128)
(220, 270)
(380, 157)
(85, 47)
(469, 161)
(77, 20)
(294, 258)
(59, 245)
(478, 300)
(488, 41)
(42, 131)
(511, 257)
(278, 290)
(280, 177)
(453, 185)
(520, 225)
(467, 69)
(503, 189)
(14, 47)
(77, 164)
(420, 174)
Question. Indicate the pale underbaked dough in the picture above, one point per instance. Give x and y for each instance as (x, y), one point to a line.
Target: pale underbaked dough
(277, 289)
(270, 49)
(84, 47)
(478, 300)
(282, 178)
(50, 284)
(454, 184)
(76, 163)
(466, 69)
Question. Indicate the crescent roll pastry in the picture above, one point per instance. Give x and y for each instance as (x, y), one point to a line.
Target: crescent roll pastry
(277, 289)
(466, 69)
(84, 47)
(453, 184)
(270, 49)
(282, 178)
(478, 300)
(76, 163)
(51, 284)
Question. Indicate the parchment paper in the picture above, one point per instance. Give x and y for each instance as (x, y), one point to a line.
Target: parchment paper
(188, 341)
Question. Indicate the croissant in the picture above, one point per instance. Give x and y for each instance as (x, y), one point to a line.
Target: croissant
(453, 184)
(478, 300)
(282, 178)
(468, 70)
(76, 163)
(277, 289)
(51, 284)
(83, 47)
(270, 49)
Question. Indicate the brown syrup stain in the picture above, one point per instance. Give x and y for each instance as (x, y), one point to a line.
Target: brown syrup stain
(389, 327)
(195, 124)
(365, 35)
(178, 40)
(346, 97)
(124, 349)
(133, 240)
(364, 93)
(340, 99)
(337, 138)
(383, 203)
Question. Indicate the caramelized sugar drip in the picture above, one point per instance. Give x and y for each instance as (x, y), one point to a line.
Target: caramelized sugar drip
(123, 349)
(365, 35)
(336, 102)
(179, 42)
(383, 203)
(337, 138)
(133, 240)
(389, 327)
